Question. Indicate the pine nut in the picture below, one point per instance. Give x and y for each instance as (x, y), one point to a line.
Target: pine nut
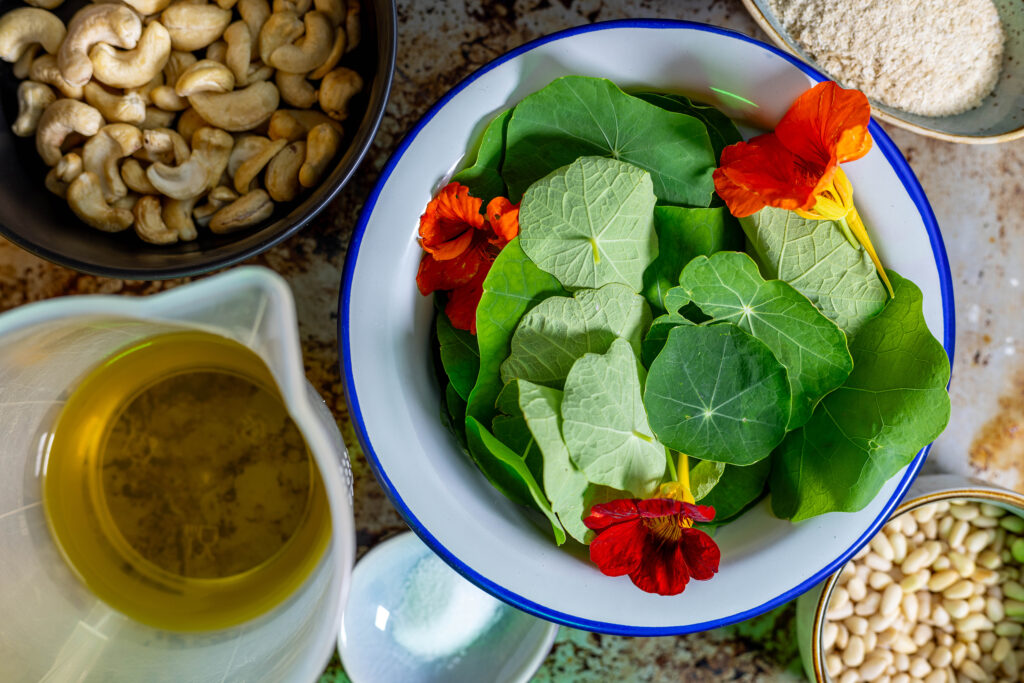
(841, 613)
(891, 599)
(880, 544)
(936, 677)
(976, 603)
(990, 510)
(924, 513)
(940, 617)
(973, 671)
(964, 512)
(879, 580)
(870, 639)
(988, 665)
(857, 626)
(945, 525)
(959, 651)
(1011, 666)
(957, 608)
(901, 678)
(963, 564)
(840, 597)
(903, 645)
(987, 641)
(847, 572)
(919, 667)
(973, 622)
(999, 542)
(934, 549)
(828, 635)
(958, 533)
(856, 589)
(886, 637)
(908, 525)
(941, 657)
(994, 610)
(853, 655)
(915, 562)
(929, 528)
(842, 638)
(877, 562)
(940, 581)
(911, 606)
(959, 590)
(985, 522)
(868, 605)
(849, 677)
(915, 581)
(976, 542)
(922, 634)
(880, 622)
(872, 668)
(989, 560)
(899, 547)
(985, 577)
(941, 563)
(833, 664)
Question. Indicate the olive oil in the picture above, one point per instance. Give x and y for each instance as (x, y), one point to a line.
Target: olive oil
(178, 488)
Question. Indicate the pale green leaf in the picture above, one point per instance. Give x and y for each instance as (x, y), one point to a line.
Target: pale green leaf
(820, 263)
(604, 423)
(483, 178)
(813, 349)
(704, 476)
(558, 330)
(591, 223)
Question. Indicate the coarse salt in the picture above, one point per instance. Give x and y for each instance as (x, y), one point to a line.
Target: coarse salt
(927, 57)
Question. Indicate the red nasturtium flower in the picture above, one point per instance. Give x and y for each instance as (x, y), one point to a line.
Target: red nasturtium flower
(796, 167)
(460, 245)
(653, 541)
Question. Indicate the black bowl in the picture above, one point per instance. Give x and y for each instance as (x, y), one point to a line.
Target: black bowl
(42, 223)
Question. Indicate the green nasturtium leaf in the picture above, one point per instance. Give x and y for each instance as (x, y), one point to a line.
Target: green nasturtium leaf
(728, 287)
(737, 488)
(508, 468)
(684, 234)
(513, 286)
(453, 413)
(578, 116)
(717, 393)
(565, 485)
(721, 130)
(558, 330)
(820, 263)
(605, 426)
(483, 178)
(591, 223)
(510, 428)
(459, 356)
(704, 476)
(893, 404)
(675, 299)
(654, 341)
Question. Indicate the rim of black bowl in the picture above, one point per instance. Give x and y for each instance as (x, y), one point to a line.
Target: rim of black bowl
(910, 184)
(224, 251)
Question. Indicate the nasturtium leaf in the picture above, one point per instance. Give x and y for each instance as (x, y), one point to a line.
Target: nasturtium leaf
(654, 341)
(483, 178)
(717, 393)
(737, 488)
(721, 130)
(513, 286)
(675, 298)
(564, 484)
(510, 428)
(591, 223)
(893, 404)
(579, 116)
(682, 235)
(558, 330)
(453, 413)
(728, 287)
(704, 476)
(459, 356)
(820, 263)
(509, 468)
(605, 426)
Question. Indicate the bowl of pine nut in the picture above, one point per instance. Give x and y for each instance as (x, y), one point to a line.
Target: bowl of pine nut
(937, 596)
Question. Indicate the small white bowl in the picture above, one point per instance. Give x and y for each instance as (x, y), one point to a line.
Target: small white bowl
(999, 117)
(393, 395)
(811, 608)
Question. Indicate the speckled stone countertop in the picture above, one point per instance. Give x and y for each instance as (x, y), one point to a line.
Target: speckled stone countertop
(977, 193)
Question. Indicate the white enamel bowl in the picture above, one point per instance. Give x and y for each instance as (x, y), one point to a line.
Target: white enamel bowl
(394, 398)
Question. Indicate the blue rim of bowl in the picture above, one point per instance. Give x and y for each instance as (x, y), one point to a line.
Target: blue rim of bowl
(910, 183)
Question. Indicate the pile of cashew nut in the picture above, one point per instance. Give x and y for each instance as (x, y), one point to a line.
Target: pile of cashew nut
(163, 115)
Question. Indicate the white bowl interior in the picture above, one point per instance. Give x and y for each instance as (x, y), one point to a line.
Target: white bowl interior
(395, 397)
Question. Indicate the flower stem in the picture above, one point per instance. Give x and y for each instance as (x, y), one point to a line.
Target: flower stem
(683, 469)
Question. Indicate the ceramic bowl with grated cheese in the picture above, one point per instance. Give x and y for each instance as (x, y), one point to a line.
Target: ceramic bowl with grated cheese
(385, 328)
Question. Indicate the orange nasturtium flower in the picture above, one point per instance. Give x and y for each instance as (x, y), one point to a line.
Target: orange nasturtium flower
(796, 167)
(460, 245)
(653, 541)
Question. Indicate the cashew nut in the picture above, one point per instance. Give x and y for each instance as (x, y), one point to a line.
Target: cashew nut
(177, 216)
(156, 118)
(204, 212)
(96, 25)
(311, 51)
(337, 50)
(44, 69)
(145, 91)
(22, 67)
(45, 4)
(239, 52)
(165, 98)
(164, 145)
(59, 120)
(295, 124)
(26, 26)
(245, 211)
(86, 199)
(222, 194)
(193, 27)
(60, 176)
(176, 65)
(282, 176)
(280, 29)
(205, 76)
(103, 152)
(210, 151)
(126, 108)
(134, 176)
(254, 13)
(146, 7)
(133, 68)
(251, 167)
(336, 89)
(240, 109)
(189, 122)
(217, 51)
(33, 99)
(125, 202)
(321, 146)
(352, 25)
(295, 89)
(226, 4)
(334, 9)
(149, 223)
